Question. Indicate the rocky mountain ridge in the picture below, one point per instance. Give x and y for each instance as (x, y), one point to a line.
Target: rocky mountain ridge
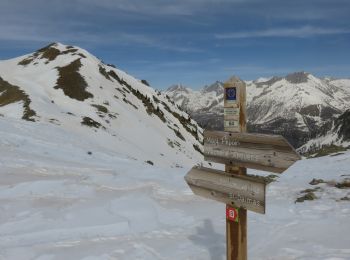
(337, 138)
(299, 106)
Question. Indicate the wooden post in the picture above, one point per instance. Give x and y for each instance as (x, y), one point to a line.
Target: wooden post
(235, 121)
(238, 150)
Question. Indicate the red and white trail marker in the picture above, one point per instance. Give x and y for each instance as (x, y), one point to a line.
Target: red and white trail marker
(232, 213)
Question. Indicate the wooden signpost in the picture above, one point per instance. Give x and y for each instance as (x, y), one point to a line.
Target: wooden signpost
(236, 232)
(238, 150)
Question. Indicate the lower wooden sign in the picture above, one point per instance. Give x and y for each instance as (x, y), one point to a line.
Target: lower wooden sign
(237, 190)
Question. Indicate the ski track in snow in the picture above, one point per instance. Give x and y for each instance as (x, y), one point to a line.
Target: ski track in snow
(58, 202)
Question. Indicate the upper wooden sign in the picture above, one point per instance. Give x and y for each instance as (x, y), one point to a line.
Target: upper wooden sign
(258, 151)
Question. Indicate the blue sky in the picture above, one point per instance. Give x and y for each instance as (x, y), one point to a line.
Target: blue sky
(192, 42)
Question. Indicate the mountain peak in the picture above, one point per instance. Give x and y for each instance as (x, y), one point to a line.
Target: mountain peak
(56, 45)
(50, 52)
(301, 102)
(72, 89)
(298, 77)
(217, 87)
(262, 79)
(178, 88)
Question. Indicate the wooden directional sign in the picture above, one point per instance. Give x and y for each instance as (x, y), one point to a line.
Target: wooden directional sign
(258, 151)
(236, 190)
(238, 151)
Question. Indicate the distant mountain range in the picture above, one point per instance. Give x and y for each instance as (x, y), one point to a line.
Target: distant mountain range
(68, 87)
(298, 106)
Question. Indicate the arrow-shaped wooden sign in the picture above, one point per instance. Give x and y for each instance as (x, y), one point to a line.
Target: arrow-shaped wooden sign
(258, 151)
(236, 190)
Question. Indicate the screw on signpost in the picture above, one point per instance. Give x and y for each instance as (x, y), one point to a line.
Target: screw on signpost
(235, 121)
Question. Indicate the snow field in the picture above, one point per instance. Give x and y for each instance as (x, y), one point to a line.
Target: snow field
(58, 202)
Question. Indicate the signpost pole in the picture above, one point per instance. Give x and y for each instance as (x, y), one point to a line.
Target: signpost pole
(235, 121)
(237, 150)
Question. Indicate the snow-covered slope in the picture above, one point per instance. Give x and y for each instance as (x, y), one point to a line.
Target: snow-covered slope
(58, 202)
(68, 87)
(204, 105)
(339, 135)
(299, 106)
(74, 183)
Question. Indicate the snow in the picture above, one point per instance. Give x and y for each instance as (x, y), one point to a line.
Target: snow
(330, 138)
(132, 132)
(59, 202)
(12, 110)
(281, 99)
(345, 83)
(71, 192)
(294, 97)
(195, 99)
(262, 79)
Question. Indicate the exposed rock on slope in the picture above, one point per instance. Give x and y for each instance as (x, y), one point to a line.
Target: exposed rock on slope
(342, 126)
(10, 94)
(68, 87)
(298, 106)
(336, 138)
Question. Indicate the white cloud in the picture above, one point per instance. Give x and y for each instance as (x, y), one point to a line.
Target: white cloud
(155, 41)
(50, 32)
(301, 32)
(160, 7)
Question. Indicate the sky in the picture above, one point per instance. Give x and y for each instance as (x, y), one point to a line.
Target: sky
(189, 42)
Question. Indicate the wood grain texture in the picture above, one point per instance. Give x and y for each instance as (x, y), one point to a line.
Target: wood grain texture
(236, 190)
(258, 151)
(236, 235)
(236, 232)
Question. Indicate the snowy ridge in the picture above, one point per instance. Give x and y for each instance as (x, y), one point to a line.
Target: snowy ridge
(339, 135)
(299, 106)
(190, 100)
(68, 87)
(83, 191)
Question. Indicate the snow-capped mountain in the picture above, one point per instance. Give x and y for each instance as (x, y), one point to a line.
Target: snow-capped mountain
(75, 135)
(299, 106)
(339, 135)
(204, 105)
(68, 87)
(208, 98)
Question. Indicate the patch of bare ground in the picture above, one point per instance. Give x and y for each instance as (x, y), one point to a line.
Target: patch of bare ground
(12, 94)
(71, 82)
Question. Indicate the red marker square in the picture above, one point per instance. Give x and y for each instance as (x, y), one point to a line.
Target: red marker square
(231, 213)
